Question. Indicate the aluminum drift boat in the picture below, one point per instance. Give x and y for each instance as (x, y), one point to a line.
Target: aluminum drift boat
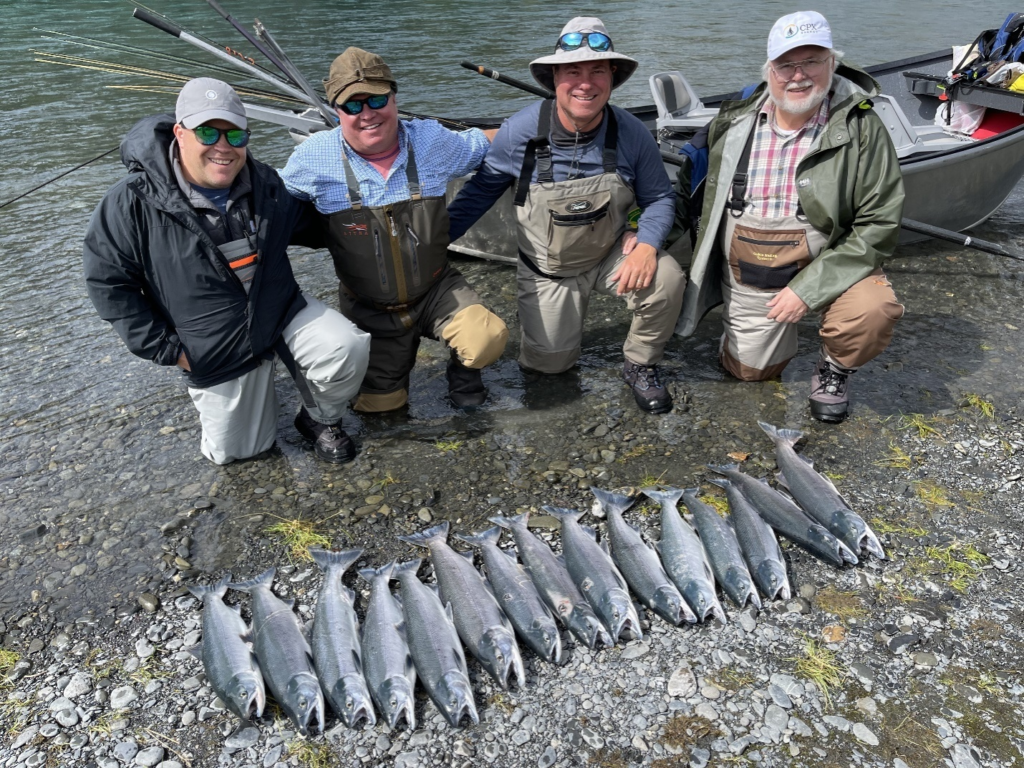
(951, 182)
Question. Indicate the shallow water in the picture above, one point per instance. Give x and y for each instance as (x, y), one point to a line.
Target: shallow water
(98, 443)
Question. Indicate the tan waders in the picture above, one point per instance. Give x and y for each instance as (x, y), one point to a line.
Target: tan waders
(397, 285)
(569, 237)
(762, 256)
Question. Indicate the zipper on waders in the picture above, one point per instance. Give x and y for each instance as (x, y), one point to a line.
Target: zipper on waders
(415, 255)
(396, 257)
(753, 241)
(378, 253)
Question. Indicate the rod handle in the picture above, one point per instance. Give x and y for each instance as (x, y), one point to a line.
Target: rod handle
(156, 21)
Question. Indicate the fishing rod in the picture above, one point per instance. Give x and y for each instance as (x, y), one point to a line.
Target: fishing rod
(494, 74)
(59, 176)
(103, 45)
(166, 25)
(252, 40)
(292, 71)
(985, 246)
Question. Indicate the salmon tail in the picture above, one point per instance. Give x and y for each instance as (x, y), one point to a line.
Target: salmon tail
(218, 590)
(411, 565)
(785, 436)
(265, 579)
(562, 515)
(429, 536)
(611, 502)
(667, 498)
(339, 562)
(723, 469)
(490, 536)
(721, 482)
(369, 574)
(510, 522)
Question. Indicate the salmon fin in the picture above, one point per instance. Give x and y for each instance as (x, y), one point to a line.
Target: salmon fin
(247, 636)
(786, 436)
(591, 532)
(780, 478)
(721, 482)
(429, 536)
(265, 579)
(723, 469)
(806, 460)
(219, 589)
(369, 574)
(562, 515)
(763, 481)
(338, 561)
(501, 522)
(448, 612)
(490, 536)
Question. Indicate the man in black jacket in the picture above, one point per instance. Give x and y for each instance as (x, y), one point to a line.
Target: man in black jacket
(187, 259)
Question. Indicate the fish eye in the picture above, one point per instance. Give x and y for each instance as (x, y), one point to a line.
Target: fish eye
(302, 703)
(615, 612)
(393, 701)
(348, 703)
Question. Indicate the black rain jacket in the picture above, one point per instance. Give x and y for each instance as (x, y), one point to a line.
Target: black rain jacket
(157, 277)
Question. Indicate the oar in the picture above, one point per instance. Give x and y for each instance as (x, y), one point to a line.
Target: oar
(174, 30)
(986, 246)
(292, 71)
(536, 90)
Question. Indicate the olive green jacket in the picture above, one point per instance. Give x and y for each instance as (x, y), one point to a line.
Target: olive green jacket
(849, 184)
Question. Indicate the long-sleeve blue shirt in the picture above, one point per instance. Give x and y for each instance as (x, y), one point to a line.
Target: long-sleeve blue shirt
(638, 163)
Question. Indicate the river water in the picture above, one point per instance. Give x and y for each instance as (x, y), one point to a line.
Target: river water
(99, 448)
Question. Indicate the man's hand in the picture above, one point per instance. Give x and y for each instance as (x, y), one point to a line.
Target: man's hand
(637, 270)
(786, 307)
(183, 362)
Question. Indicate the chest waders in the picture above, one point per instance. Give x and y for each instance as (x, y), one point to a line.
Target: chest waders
(568, 227)
(389, 256)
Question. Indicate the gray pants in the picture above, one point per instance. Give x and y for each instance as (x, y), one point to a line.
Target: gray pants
(552, 311)
(239, 417)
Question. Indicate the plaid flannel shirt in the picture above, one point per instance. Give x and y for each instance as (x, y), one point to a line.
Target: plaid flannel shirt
(771, 180)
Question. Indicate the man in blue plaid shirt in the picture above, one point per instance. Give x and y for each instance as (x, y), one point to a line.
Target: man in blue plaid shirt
(380, 185)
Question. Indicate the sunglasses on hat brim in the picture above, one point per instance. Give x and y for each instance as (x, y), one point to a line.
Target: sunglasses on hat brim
(355, 106)
(597, 41)
(207, 135)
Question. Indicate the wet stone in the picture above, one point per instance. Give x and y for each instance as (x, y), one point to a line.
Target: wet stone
(149, 757)
(149, 602)
(245, 738)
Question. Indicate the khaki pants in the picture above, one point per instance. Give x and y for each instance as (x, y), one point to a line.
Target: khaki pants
(552, 311)
(239, 417)
(855, 328)
(451, 312)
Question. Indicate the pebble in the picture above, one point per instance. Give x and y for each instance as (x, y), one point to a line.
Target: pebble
(48, 730)
(67, 718)
(635, 650)
(121, 697)
(149, 602)
(864, 735)
(965, 756)
(144, 649)
(547, 758)
(710, 692)
(683, 683)
(125, 751)
(779, 696)
(247, 737)
(79, 685)
(149, 757)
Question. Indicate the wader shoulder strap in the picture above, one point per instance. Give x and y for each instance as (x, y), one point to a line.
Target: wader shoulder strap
(611, 142)
(354, 195)
(737, 201)
(538, 154)
(412, 176)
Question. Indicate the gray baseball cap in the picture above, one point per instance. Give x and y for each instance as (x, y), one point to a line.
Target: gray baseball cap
(204, 99)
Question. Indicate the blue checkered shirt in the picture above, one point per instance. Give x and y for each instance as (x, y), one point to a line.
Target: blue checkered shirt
(315, 171)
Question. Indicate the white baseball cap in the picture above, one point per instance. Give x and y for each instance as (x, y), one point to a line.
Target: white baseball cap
(797, 29)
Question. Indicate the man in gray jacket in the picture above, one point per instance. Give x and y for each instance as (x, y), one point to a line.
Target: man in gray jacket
(186, 258)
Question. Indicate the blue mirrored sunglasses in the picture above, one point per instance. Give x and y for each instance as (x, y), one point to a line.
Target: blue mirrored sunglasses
(207, 135)
(597, 41)
(355, 106)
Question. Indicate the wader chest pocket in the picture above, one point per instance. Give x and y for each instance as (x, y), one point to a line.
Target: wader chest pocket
(584, 218)
(767, 259)
(580, 231)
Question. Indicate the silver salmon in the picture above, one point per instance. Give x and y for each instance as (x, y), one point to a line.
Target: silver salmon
(518, 596)
(337, 655)
(284, 654)
(555, 585)
(484, 629)
(723, 550)
(639, 564)
(818, 496)
(230, 666)
(435, 647)
(684, 557)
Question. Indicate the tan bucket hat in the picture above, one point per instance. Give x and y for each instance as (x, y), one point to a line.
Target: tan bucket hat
(542, 69)
(358, 71)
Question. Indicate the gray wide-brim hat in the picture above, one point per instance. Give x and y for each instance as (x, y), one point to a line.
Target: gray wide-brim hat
(543, 69)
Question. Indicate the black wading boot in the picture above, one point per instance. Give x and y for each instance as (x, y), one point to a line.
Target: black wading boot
(830, 391)
(650, 394)
(329, 440)
(465, 385)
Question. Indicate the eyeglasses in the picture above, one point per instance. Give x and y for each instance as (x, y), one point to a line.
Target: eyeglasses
(355, 106)
(207, 135)
(597, 41)
(810, 68)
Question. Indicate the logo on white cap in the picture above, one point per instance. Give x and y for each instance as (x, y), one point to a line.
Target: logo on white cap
(798, 29)
(790, 30)
(211, 95)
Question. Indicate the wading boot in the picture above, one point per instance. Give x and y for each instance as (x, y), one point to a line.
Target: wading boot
(830, 391)
(465, 385)
(650, 394)
(330, 442)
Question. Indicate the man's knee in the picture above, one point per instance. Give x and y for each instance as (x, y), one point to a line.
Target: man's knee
(477, 335)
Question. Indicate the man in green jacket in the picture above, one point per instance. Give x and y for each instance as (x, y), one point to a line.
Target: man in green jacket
(802, 204)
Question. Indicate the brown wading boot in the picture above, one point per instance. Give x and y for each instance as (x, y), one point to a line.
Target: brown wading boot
(465, 385)
(650, 394)
(830, 391)
(330, 442)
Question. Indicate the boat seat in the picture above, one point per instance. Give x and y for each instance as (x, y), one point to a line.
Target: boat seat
(677, 103)
(904, 135)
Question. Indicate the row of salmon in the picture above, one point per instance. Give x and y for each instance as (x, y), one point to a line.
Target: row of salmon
(420, 633)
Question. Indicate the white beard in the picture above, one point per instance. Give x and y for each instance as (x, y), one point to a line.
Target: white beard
(804, 105)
